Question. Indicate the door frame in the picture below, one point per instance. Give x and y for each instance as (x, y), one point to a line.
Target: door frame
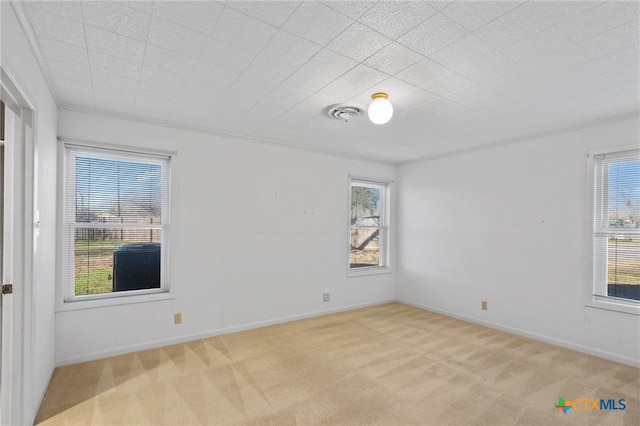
(17, 357)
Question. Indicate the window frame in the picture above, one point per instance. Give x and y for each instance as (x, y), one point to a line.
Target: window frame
(384, 227)
(595, 273)
(68, 300)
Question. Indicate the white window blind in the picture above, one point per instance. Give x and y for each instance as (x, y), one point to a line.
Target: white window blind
(616, 225)
(116, 222)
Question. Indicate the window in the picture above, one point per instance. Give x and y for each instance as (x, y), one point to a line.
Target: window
(616, 227)
(116, 226)
(368, 233)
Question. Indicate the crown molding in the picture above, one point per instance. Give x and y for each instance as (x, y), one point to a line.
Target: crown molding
(519, 139)
(35, 48)
(218, 133)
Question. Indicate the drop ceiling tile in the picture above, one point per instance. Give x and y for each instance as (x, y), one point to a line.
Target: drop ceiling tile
(116, 18)
(571, 75)
(162, 78)
(477, 97)
(66, 74)
(66, 9)
(271, 12)
(280, 58)
(113, 65)
(395, 18)
(448, 84)
(307, 110)
(507, 82)
(290, 96)
(249, 91)
(168, 60)
(433, 34)
(73, 93)
(152, 108)
(316, 22)
(624, 75)
(243, 31)
(474, 14)
(559, 11)
(352, 9)
(177, 38)
(358, 42)
(438, 4)
(621, 58)
(200, 16)
(114, 44)
(319, 71)
(63, 52)
(113, 82)
(56, 28)
(202, 89)
(142, 6)
(444, 108)
(514, 26)
(555, 61)
(222, 61)
(472, 58)
(537, 45)
(393, 58)
(213, 70)
(351, 83)
(600, 19)
(150, 92)
(602, 82)
(423, 72)
(612, 41)
(258, 116)
(111, 100)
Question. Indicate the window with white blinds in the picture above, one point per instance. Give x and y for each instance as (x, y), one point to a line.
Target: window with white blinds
(616, 226)
(116, 223)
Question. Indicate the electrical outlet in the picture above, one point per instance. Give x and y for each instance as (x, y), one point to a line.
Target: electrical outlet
(484, 305)
(177, 318)
(326, 296)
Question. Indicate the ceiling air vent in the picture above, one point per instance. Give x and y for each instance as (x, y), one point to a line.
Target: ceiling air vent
(345, 112)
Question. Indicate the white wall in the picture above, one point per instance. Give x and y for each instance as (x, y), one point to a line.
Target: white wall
(508, 225)
(17, 57)
(259, 232)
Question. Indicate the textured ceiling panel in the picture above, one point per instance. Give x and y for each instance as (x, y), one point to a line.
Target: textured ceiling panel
(393, 58)
(394, 19)
(473, 15)
(358, 42)
(195, 15)
(316, 22)
(458, 73)
(271, 12)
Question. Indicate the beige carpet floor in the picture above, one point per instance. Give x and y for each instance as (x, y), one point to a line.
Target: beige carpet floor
(389, 364)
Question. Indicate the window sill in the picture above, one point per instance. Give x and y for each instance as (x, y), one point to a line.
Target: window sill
(627, 307)
(113, 301)
(376, 270)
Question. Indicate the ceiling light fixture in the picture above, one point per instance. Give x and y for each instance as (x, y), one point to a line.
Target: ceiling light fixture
(380, 110)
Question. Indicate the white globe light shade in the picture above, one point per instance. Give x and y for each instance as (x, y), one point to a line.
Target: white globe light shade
(380, 110)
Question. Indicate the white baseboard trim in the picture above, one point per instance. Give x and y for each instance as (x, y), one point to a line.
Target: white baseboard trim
(535, 336)
(40, 398)
(217, 332)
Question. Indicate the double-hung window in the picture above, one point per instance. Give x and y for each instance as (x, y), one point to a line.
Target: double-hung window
(369, 226)
(116, 223)
(616, 227)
